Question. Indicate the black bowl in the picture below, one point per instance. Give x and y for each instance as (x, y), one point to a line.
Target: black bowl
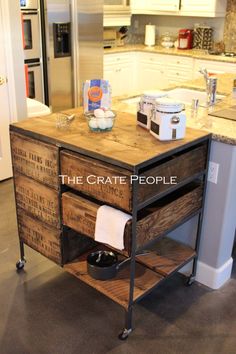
(102, 265)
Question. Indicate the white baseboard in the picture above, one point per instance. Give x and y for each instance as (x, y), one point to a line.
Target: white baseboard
(214, 278)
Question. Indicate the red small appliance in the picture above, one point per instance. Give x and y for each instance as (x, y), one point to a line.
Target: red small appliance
(185, 39)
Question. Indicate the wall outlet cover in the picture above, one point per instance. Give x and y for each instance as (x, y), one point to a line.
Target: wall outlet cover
(213, 171)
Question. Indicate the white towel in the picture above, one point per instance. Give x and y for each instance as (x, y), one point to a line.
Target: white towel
(110, 225)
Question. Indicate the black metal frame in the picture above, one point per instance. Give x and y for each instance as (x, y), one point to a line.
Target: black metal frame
(135, 208)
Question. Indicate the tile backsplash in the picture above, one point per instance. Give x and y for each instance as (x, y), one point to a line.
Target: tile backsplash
(172, 24)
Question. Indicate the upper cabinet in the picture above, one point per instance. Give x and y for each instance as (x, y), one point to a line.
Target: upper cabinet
(163, 5)
(200, 8)
(117, 13)
(154, 6)
(210, 8)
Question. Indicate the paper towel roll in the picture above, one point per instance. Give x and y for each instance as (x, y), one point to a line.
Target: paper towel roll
(150, 34)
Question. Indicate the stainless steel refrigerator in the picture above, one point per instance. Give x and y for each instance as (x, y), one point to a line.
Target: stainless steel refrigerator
(72, 35)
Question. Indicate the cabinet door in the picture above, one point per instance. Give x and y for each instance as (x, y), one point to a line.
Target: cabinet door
(210, 8)
(119, 70)
(163, 5)
(151, 72)
(179, 69)
(110, 74)
(124, 79)
(198, 6)
(151, 77)
(137, 5)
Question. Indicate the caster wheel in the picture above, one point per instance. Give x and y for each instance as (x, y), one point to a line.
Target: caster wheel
(124, 334)
(20, 264)
(190, 281)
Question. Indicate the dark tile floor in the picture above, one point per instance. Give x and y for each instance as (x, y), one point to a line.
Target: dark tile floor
(44, 310)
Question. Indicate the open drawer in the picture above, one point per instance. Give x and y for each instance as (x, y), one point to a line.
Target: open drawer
(153, 221)
(114, 185)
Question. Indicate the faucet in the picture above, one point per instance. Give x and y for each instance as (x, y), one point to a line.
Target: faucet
(211, 83)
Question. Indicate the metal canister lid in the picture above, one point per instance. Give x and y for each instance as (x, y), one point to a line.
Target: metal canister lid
(154, 94)
(168, 105)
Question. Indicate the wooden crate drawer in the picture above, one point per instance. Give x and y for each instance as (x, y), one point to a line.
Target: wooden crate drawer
(182, 166)
(49, 242)
(89, 170)
(35, 159)
(38, 200)
(80, 214)
(119, 192)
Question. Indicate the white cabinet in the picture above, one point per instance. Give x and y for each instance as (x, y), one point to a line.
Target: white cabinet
(158, 71)
(163, 5)
(203, 8)
(154, 6)
(215, 67)
(138, 6)
(119, 70)
(179, 69)
(138, 71)
(116, 13)
(151, 72)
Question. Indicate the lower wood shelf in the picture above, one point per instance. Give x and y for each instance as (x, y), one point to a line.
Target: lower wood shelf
(167, 256)
(151, 268)
(117, 288)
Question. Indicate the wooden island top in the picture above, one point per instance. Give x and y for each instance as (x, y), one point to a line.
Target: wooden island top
(127, 145)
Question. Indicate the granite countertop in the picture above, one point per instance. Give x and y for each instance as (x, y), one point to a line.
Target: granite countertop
(192, 53)
(223, 130)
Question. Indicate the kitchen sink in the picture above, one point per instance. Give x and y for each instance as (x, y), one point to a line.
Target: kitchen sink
(183, 95)
(187, 95)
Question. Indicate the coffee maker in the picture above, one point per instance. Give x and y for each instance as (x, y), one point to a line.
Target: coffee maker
(185, 39)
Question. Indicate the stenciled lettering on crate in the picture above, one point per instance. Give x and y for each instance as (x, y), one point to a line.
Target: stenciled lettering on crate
(35, 159)
(38, 200)
(39, 236)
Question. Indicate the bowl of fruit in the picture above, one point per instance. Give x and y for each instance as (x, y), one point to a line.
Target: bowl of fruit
(101, 120)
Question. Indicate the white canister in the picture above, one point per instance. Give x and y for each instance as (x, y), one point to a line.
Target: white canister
(168, 121)
(146, 107)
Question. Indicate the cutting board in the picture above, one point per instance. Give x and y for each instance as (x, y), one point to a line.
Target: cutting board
(227, 113)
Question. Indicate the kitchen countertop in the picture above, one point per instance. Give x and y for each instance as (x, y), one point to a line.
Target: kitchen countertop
(192, 53)
(223, 130)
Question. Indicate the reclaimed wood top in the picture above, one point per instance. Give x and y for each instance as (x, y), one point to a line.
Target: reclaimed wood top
(127, 145)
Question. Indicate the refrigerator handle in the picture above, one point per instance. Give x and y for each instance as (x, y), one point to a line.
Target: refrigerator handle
(74, 50)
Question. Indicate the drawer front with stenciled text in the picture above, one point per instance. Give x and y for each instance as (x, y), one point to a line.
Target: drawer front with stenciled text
(40, 236)
(35, 159)
(49, 241)
(97, 179)
(38, 200)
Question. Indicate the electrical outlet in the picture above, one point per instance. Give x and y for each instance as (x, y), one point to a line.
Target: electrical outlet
(213, 172)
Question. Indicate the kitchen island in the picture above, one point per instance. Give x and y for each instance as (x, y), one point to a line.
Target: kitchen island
(219, 224)
(57, 216)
